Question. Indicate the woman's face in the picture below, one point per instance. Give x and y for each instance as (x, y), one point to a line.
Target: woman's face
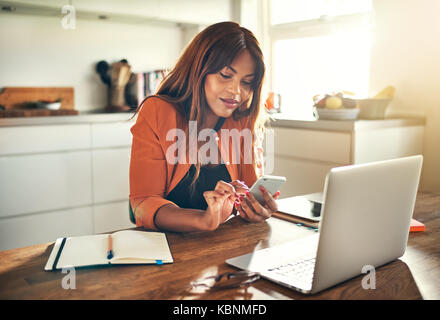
(226, 90)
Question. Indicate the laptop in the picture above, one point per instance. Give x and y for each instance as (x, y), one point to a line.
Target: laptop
(365, 219)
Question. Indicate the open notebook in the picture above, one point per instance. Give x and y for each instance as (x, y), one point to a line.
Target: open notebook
(305, 209)
(128, 247)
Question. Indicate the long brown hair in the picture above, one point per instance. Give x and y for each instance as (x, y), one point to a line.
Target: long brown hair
(209, 52)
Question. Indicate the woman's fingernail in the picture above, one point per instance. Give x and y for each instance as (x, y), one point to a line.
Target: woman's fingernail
(262, 189)
(247, 193)
(278, 193)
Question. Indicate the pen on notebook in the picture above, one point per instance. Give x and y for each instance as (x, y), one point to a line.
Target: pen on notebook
(110, 247)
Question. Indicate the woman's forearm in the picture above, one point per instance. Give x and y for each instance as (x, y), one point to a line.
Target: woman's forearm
(172, 218)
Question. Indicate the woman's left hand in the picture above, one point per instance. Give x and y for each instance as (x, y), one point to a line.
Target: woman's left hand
(251, 210)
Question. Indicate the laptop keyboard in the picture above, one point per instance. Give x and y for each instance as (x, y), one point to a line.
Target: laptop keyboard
(301, 270)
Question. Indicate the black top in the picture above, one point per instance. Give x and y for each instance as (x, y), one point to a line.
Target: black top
(182, 196)
(208, 178)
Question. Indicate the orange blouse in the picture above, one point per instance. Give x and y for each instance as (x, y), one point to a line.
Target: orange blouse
(152, 177)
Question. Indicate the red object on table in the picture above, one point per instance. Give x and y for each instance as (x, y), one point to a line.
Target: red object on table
(416, 226)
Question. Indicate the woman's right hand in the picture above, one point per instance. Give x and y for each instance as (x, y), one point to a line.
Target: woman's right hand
(221, 202)
(215, 200)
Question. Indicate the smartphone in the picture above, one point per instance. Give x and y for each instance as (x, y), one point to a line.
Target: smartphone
(271, 183)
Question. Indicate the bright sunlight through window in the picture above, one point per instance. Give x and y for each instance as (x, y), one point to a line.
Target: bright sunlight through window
(285, 11)
(330, 59)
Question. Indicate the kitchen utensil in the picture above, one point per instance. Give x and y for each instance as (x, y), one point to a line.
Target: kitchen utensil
(14, 97)
(102, 69)
(120, 74)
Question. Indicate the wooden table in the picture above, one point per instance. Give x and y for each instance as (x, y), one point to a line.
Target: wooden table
(197, 255)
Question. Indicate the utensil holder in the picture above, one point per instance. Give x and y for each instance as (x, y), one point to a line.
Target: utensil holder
(117, 96)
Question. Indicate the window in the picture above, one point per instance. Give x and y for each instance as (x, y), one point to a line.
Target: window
(285, 11)
(318, 47)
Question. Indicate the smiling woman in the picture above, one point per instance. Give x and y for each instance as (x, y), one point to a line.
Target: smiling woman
(228, 88)
(215, 85)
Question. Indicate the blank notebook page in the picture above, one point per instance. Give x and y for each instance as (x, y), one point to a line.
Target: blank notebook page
(84, 251)
(140, 245)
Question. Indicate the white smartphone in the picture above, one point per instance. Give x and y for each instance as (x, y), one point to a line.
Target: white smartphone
(271, 183)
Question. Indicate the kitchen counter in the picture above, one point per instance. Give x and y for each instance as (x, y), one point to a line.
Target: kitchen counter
(84, 117)
(306, 150)
(346, 125)
(323, 125)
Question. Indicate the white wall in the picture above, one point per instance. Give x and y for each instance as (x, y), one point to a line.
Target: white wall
(37, 51)
(187, 11)
(406, 54)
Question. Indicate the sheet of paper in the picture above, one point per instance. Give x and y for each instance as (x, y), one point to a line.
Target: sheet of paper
(84, 251)
(306, 206)
(130, 244)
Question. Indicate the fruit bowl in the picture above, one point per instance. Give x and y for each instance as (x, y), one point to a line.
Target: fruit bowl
(335, 107)
(373, 108)
(336, 114)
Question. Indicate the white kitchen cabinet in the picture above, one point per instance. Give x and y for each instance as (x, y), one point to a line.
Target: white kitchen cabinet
(33, 139)
(303, 176)
(26, 230)
(43, 182)
(387, 143)
(63, 177)
(305, 151)
(113, 134)
(110, 174)
(313, 144)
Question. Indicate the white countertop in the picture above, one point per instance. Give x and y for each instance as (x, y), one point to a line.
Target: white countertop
(324, 125)
(346, 125)
(86, 117)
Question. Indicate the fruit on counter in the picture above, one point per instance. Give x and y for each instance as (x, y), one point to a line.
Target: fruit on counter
(319, 100)
(333, 102)
(386, 93)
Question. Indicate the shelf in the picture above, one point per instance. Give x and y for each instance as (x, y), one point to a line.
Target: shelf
(21, 8)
